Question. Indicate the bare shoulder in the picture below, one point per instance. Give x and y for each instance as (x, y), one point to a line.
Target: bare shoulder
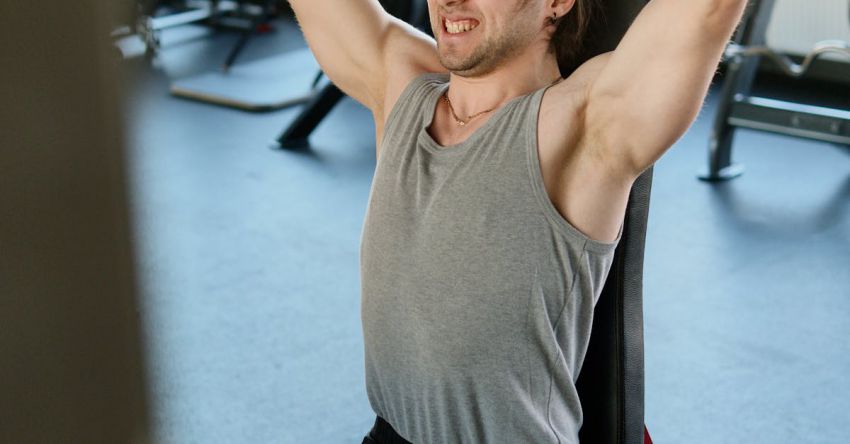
(409, 53)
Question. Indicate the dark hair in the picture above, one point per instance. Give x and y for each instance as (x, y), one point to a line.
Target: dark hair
(569, 38)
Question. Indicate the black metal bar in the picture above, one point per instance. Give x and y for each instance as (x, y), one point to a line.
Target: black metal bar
(246, 35)
(295, 136)
(231, 57)
(793, 119)
(740, 75)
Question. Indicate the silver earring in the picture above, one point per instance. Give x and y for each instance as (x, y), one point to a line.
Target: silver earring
(554, 17)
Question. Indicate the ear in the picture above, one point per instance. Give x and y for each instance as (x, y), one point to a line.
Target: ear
(560, 7)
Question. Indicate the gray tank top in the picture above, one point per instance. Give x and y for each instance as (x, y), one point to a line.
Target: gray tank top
(477, 295)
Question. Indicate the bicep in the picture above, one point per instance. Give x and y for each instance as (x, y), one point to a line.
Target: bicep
(653, 86)
(357, 44)
(347, 39)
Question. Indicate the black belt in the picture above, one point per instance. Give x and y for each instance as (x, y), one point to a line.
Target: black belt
(383, 433)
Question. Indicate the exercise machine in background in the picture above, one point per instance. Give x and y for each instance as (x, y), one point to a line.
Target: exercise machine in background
(286, 79)
(261, 85)
(827, 121)
(152, 17)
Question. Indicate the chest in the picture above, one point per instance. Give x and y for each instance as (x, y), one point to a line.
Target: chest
(577, 182)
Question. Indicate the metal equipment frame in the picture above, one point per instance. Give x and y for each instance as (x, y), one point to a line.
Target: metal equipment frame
(148, 26)
(737, 108)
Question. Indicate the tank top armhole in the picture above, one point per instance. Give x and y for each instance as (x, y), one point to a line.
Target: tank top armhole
(410, 91)
(539, 190)
(605, 248)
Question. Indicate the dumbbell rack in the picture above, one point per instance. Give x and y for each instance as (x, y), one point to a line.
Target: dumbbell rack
(737, 108)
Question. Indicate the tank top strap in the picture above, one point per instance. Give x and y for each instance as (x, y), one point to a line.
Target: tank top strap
(408, 113)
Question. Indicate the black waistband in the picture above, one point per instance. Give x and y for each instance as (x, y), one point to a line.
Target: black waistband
(383, 433)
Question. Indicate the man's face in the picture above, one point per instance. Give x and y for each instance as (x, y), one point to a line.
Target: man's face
(475, 36)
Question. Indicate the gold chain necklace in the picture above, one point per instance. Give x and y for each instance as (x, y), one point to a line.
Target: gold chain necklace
(457, 119)
(468, 119)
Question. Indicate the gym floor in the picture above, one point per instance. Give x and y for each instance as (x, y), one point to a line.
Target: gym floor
(249, 262)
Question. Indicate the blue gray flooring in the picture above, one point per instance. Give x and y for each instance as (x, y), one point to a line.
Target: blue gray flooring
(249, 262)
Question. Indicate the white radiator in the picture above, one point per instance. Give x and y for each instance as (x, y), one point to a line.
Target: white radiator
(796, 25)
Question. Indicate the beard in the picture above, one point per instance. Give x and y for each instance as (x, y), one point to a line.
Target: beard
(485, 57)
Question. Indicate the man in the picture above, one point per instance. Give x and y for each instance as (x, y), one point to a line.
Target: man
(499, 195)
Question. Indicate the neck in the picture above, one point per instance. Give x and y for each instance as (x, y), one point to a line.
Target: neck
(470, 95)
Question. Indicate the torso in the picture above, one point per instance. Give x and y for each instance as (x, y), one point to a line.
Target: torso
(587, 192)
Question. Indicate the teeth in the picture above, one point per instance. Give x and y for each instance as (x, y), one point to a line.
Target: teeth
(460, 26)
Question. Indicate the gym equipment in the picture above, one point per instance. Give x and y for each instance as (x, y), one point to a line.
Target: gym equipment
(256, 22)
(240, 14)
(149, 25)
(296, 135)
(280, 81)
(611, 383)
(784, 62)
(737, 108)
(262, 85)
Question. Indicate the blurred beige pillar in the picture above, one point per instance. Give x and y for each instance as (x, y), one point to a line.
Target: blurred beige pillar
(71, 363)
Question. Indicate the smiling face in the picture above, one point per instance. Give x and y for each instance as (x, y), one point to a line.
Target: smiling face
(475, 36)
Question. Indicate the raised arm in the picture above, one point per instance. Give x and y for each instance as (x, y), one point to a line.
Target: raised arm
(654, 83)
(362, 48)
